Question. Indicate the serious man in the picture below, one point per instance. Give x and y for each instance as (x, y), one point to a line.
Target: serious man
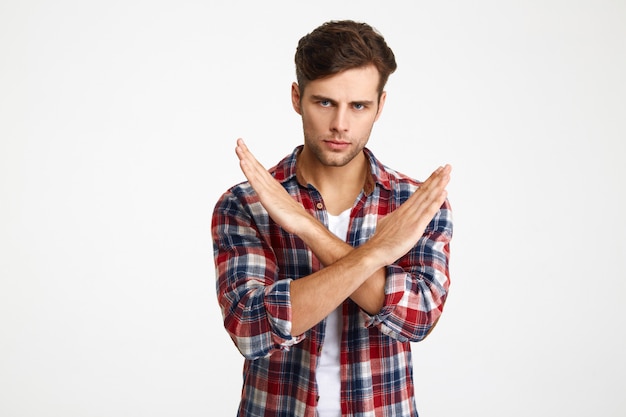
(330, 264)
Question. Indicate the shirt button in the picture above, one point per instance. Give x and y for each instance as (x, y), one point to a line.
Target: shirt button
(319, 206)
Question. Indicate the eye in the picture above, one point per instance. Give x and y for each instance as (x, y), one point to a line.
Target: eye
(325, 103)
(359, 106)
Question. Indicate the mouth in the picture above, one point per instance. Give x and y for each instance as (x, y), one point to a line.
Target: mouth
(336, 144)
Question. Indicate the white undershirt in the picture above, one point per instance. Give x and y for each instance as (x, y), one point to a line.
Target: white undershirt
(328, 368)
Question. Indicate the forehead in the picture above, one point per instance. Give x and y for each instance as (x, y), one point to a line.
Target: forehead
(349, 85)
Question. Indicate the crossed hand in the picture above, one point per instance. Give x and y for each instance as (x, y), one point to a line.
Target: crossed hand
(395, 234)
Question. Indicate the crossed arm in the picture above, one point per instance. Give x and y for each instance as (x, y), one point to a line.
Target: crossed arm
(358, 273)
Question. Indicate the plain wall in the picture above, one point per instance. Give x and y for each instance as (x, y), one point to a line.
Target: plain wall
(118, 122)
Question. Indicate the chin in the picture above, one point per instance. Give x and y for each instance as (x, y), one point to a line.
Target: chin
(336, 160)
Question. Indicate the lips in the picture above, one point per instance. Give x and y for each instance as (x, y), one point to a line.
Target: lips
(336, 145)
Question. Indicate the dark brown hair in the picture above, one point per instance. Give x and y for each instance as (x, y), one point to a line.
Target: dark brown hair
(336, 46)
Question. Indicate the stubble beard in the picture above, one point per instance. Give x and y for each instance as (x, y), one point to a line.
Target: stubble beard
(332, 158)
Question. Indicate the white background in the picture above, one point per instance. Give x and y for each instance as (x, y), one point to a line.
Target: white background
(117, 129)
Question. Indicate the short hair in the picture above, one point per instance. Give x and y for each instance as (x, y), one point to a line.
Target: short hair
(336, 46)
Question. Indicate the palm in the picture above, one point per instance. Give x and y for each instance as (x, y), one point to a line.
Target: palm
(281, 207)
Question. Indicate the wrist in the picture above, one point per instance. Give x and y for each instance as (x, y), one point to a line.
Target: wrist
(373, 255)
(309, 229)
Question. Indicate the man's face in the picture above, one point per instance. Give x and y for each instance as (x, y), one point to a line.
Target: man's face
(338, 113)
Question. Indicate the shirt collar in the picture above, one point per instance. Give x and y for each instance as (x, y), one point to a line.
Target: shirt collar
(286, 170)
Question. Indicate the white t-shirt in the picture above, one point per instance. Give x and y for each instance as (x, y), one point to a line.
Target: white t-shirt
(328, 368)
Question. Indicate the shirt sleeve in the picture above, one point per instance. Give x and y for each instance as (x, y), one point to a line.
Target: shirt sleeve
(417, 284)
(255, 303)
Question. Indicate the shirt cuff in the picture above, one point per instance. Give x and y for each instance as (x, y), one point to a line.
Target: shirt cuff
(278, 308)
(395, 290)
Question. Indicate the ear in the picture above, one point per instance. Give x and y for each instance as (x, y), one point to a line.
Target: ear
(381, 104)
(295, 98)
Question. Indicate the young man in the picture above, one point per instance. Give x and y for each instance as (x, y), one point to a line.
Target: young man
(330, 264)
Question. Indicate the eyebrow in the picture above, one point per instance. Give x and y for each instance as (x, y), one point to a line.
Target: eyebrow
(322, 98)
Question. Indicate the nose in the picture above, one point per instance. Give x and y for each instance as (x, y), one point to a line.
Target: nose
(340, 120)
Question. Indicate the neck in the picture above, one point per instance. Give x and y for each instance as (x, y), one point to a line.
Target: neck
(338, 185)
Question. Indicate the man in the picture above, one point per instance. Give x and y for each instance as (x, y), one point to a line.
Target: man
(324, 318)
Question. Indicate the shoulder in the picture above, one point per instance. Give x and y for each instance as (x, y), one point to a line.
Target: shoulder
(401, 181)
(239, 201)
(400, 184)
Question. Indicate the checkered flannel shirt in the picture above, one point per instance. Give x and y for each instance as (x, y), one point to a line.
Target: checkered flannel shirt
(256, 261)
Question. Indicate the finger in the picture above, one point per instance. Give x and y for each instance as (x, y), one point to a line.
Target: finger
(260, 179)
(249, 164)
(430, 195)
(431, 187)
(439, 174)
(243, 153)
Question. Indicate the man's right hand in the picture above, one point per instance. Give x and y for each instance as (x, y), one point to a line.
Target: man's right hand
(281, 207)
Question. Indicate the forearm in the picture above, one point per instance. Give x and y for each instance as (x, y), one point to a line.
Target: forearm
(416, 284)
(315, 296)
(370, 296)
(329, 249)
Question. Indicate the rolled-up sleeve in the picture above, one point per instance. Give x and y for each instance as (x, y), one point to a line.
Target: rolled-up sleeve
(417, 284)
(255, 303)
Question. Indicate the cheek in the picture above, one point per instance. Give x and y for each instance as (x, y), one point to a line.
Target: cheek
(364, 126)
(313, 122)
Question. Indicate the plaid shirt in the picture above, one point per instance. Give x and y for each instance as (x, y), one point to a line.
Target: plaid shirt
(256, 262)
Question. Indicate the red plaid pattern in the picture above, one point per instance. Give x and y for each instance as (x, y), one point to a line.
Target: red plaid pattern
(256, 261)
